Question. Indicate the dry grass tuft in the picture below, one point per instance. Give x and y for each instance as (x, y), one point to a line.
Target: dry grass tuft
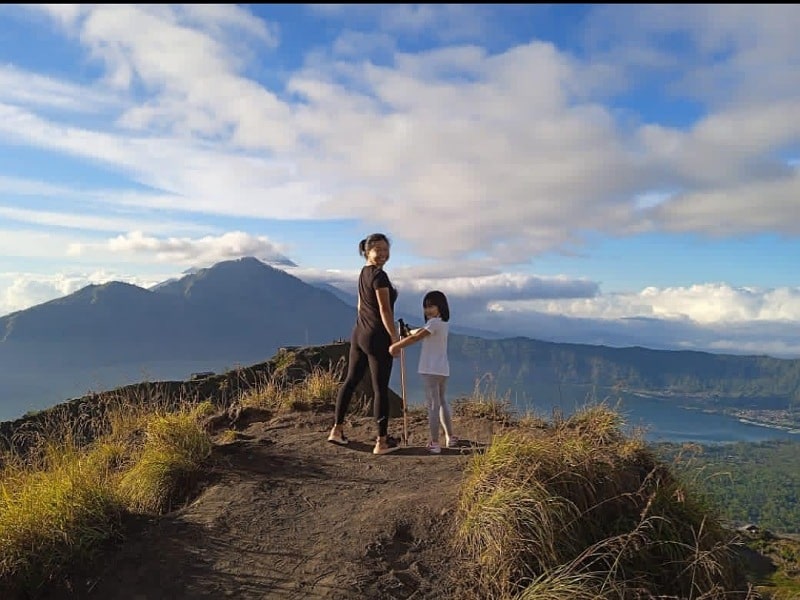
(62, 499)
(172, 457)
(579, 511)
(316, 391)
(56, 513)
(484, 403)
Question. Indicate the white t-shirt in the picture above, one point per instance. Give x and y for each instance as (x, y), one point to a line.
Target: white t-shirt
(433, 355)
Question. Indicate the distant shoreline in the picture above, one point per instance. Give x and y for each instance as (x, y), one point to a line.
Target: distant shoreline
(776, 420)
(786, 428)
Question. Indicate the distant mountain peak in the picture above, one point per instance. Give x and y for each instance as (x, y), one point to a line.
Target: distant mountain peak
(245, 264)
(238, 277)
(278, 260)
(101, 290)
(272, 263)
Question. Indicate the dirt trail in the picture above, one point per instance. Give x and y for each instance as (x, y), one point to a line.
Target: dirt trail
(289, 515)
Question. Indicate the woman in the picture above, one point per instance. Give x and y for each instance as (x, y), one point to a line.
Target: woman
(373, 333)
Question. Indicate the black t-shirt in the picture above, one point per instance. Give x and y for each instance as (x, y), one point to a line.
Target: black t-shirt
(371, 279)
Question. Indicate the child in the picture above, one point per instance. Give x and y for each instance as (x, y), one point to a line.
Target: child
(433, 366)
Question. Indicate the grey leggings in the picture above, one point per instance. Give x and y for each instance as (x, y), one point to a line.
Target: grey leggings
(438, 410)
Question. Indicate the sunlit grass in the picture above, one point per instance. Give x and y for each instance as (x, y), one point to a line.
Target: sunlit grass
(62, 499)
(172, 457)
(267, 395)
(316, 391)
(581, 511)
(56, 513)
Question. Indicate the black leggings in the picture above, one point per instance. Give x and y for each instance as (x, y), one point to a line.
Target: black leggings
(376, 355)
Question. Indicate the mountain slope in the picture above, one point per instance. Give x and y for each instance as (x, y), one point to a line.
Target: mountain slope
(235, 312)
(96, 313)
(248, 304)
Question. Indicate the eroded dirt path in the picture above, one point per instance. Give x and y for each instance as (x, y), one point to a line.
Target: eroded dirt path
(293, 516)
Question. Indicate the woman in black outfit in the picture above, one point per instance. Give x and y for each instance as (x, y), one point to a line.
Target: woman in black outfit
(373, 333)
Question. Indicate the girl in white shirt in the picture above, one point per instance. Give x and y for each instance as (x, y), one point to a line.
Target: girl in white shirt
(433, 366)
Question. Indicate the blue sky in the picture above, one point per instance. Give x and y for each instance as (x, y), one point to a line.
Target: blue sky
(588, 173)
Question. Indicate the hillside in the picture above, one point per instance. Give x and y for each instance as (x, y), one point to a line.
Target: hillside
(274, 511)
(714, 379)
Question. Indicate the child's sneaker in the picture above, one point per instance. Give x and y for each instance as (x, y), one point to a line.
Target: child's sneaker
(452, 442)
(434, 448)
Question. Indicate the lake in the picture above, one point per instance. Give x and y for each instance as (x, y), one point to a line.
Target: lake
(666, 421)
(661, 420)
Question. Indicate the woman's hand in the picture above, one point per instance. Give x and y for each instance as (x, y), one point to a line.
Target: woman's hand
(386, 312)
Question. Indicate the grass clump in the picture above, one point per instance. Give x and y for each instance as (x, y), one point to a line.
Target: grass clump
(316, 391)
(172, 456)
(65, 496)
(582, 512)
(485, 403)
(55, 513)
(268, 395)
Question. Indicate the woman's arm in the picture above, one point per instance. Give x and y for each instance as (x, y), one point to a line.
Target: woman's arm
(387, 314)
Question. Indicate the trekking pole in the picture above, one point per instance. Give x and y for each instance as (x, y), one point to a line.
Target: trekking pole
(403, 333)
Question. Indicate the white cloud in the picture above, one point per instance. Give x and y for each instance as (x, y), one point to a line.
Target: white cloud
(709, 317)
(199, 252)
(387, 149)
(456, 150)
(705, 304)
(729, 152)
(470, 297)
(93, 221)
(445, 21)
(506, 286)
(500, 161)
(32, 243)
(30, 89)
(193, 176)
(31, 187)
(727, 55)
(356, 44)
(479, 288)
(751, 207)
(193, 71)
(19, 291)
